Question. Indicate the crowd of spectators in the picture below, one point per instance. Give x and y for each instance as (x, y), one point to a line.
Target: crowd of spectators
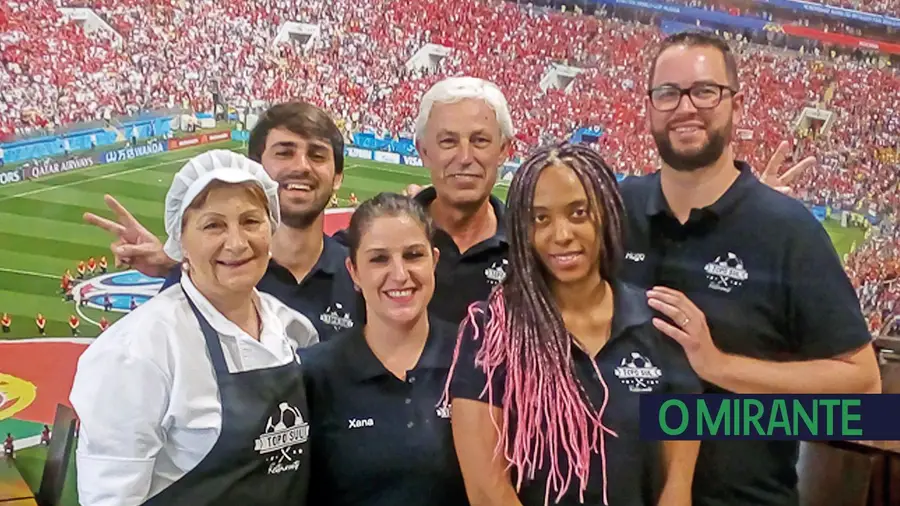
(174, 53)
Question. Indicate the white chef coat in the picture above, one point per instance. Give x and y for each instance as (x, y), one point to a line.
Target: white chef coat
(146, 395)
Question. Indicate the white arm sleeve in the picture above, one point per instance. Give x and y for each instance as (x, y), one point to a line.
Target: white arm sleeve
(121, 401)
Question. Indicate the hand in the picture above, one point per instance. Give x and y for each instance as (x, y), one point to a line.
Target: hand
(781, 183)
(135, 245)
(691, 330)
(413, 190)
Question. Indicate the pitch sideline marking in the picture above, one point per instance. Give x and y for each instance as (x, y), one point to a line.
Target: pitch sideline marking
(28, 273)
(91, 179)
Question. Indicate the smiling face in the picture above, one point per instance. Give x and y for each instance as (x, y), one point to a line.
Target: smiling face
(394, 268)
(565, 231)
(226, 240)
(305, 172)
(463, 148)
(689, 138)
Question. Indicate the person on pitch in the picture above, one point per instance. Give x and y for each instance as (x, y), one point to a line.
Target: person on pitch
(392, 370)
(104, 265)
(6, 323)
(45, 436)
(81, 269)
(544, 408)
(104, 324)
(41, 323)
(92, 266)
(204, 400)
(9, 446)
(74, 323)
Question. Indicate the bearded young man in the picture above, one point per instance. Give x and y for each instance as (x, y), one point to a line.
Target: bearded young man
(743, 276)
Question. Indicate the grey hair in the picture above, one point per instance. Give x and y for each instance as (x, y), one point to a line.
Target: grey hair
(454, 89)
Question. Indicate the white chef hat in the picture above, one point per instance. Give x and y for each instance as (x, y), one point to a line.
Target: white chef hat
(197, 174)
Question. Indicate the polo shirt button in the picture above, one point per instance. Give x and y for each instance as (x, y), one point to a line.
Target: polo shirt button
(409, 425)
(408, 401)
(412, 379)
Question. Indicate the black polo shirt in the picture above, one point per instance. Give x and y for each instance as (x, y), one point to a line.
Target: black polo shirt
(766, 275)
(637, 359)
(326, 295)
(464, 278)
(379, 440)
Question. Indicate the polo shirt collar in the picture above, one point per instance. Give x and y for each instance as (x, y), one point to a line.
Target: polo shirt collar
(223, 326)
(656, 203)
(364, 365)
(427, 196)
(330, 261)
(630, 308)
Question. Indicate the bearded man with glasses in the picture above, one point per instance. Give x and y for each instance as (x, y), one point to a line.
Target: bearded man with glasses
(741, 275)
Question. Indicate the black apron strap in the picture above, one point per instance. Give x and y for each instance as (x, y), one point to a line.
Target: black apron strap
(213, 344)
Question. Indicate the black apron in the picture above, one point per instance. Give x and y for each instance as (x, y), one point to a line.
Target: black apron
(262, 455)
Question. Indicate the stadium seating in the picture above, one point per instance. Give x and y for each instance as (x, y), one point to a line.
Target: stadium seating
(52, 73)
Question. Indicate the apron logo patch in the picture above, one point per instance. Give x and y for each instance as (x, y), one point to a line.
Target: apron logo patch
(285, 432)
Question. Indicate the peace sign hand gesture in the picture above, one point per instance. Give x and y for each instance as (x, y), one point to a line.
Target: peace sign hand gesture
(782, 183)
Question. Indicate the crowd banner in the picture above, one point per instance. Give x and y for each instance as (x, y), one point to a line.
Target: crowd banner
(842, 39)
(837, 12)
(10, 176)
(130, 153)
(384, 156)
(197, 140)
(49, 167)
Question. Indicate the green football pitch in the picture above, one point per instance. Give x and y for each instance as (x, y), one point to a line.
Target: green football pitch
(42, 234)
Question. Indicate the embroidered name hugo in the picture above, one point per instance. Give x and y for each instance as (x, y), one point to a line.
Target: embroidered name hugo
(635, 257)
(285, 433)
(364, 422)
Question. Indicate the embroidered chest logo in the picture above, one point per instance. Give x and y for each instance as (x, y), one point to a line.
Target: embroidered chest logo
(496, 273)
(638, 373)
(337, 317)
(286, 431)
(726, 273)
(443, 411)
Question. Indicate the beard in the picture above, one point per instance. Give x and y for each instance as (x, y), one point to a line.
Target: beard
(711, 150)
(304, 218)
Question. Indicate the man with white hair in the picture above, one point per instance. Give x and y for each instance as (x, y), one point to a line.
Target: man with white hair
(463, 135)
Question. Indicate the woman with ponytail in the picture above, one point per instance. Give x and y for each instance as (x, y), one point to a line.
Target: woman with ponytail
(547, 373)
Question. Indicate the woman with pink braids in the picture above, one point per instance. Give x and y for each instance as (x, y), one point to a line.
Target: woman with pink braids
(548, 372)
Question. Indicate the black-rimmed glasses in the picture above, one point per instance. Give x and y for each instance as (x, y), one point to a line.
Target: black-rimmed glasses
(703, 96)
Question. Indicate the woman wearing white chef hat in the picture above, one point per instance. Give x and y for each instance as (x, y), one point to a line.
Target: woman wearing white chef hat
(197, 397)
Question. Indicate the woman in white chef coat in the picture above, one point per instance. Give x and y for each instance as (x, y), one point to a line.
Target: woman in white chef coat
(197, 396)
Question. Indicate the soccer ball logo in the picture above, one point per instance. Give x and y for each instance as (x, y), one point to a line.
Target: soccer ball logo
(636, 360)
(732, 261)
(287, 418)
